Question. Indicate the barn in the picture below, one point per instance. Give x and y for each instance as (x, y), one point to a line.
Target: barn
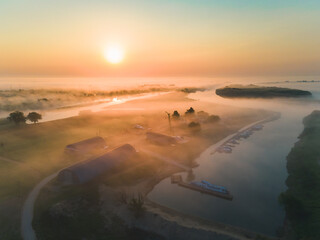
(160, 139)
(87, 145)
(88, 170)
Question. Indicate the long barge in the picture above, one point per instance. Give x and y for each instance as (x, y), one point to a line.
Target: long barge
(227, 196)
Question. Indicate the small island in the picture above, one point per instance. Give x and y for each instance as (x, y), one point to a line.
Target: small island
(254, 91)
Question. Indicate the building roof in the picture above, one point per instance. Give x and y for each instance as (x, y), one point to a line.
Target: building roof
(87, 170)
(87, 144)
(160, 138)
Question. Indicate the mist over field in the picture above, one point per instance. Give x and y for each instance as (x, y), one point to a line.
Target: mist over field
(159, 120)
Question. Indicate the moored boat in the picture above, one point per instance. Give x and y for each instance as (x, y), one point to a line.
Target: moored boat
(214, 190)
(211, 187)
(215, 186)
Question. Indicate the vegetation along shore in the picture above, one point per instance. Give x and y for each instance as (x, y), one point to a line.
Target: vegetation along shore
(254, 91)
(302, 198)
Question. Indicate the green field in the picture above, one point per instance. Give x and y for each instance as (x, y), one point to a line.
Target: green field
(38, 150)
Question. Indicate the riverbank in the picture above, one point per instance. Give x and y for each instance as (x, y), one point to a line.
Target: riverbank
(41, 99)
(301, 200)
(56, 104)
(171, 224)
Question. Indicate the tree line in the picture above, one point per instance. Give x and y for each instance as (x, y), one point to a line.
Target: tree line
(201, 115)
(18, 117)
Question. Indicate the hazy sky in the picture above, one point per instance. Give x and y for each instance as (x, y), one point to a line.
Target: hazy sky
(160, 38)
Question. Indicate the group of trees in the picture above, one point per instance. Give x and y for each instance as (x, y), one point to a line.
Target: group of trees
(201, 115)
(18, 117)
(189, 112)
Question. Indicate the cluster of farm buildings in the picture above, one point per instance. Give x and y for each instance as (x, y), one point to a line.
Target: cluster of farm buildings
(90, 169)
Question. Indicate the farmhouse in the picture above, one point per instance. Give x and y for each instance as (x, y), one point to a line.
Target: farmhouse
(88, 170)
(160, 139)
(88, 145)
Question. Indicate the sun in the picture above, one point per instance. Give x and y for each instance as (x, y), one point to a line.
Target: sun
(114, 54)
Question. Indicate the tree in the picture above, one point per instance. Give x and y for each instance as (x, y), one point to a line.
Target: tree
(136, 206)
(34, 117)
(203, 115)
(176, 115)
(190, 111)
(213, 118)
(17, 117)
(194, 125)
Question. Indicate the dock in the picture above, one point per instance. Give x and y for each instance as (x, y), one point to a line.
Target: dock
(176, 178)
(206, 191)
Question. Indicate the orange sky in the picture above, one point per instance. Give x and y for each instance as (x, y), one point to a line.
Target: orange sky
(160, 38)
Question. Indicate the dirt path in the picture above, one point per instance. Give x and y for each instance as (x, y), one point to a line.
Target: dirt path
(27, 231)
(9, 160)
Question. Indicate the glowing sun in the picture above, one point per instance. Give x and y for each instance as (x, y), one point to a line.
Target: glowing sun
(114, 54)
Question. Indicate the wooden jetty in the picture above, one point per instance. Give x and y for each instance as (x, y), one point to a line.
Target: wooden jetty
(206, 191)
(176, 178)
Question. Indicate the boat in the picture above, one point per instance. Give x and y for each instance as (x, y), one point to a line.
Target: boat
(208, 188)
(230, 145)
(214, 186)
(245, 134)
(257, 127)
(224, 149)
(233, 141)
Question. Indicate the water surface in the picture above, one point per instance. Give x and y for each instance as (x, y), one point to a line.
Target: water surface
(255, 172)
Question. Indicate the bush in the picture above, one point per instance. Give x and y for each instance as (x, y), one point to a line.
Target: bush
(194, 125)
(34, 117)
(192, 90)
(175, 115)
(203, 114)
(213, 118)
(136, 205)
(17, 117)
(190, 111)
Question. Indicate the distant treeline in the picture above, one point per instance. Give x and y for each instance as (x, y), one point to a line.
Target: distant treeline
(37, 99)
(302, 198)
(254, 91)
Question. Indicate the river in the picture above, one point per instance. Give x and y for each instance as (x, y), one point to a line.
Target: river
(96, 106)
(255, 171)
